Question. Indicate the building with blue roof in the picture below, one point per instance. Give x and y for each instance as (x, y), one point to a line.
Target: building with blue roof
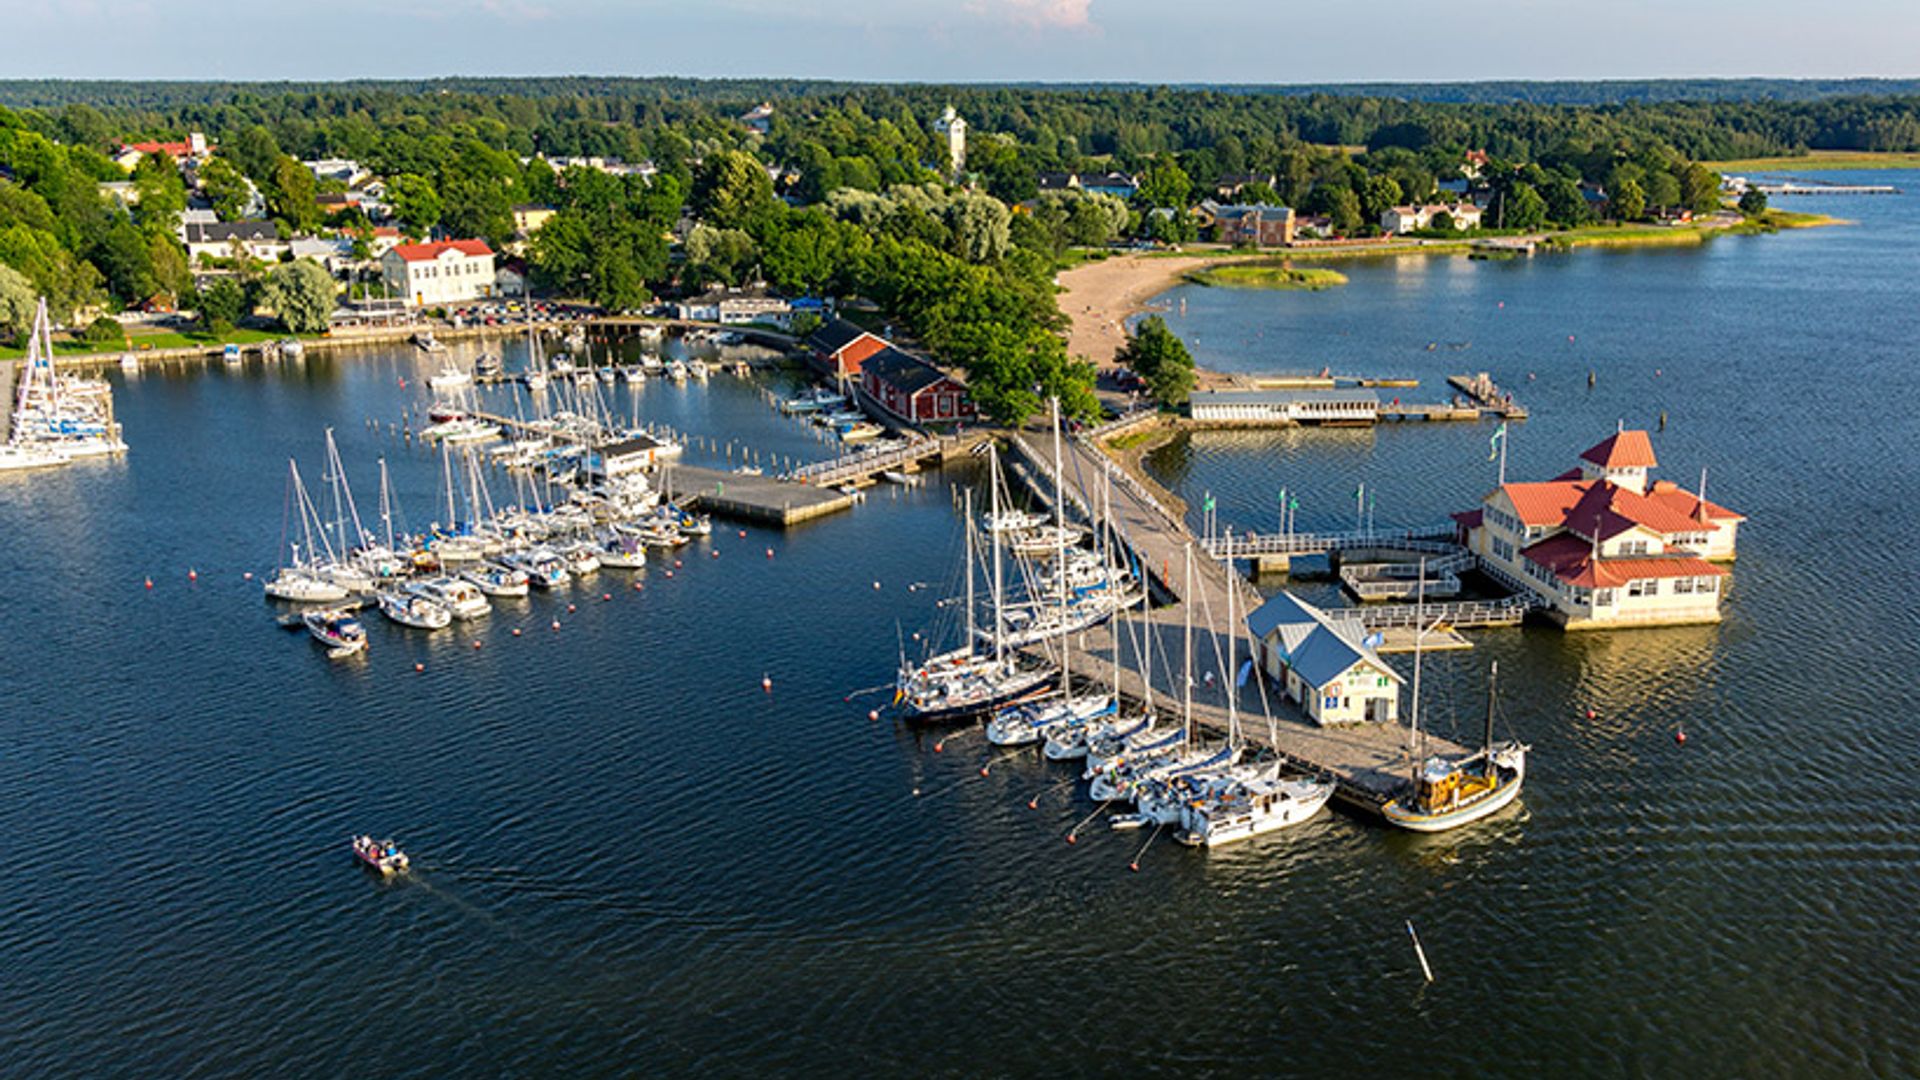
(1323, 665)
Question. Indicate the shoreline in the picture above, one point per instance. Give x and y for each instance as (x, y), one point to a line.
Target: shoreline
(1098, 297)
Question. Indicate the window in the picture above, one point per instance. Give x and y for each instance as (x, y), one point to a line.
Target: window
(1709, 585)
(1603, 598)
(1643, 587)
(1682, 586)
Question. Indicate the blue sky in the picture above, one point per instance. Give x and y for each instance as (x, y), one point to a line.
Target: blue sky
(1267, 41)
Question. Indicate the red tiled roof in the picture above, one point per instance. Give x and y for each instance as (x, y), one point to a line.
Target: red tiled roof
(1570, 558)
(1687, 504)
(429, 252)
(173, 149)
(1612, 510)
(1623, 450)
(1544, 504)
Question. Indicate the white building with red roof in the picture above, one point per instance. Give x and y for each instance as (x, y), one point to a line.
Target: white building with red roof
(440, 272)
(1605, 545)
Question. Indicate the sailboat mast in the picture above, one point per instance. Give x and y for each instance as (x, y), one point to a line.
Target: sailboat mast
(446, 472)
(999, 620)
(386, 506)
(1060, 548)
(1187, 647)
(1233, 638)
(1493, 679)
(967, 540)
(1419, 635)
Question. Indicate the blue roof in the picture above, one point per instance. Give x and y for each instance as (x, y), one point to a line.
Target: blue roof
(1280, 610)
(1321, 651)
(1324, 656)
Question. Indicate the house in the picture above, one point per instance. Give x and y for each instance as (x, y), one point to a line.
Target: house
(1325, 666)
(345, 170)
(528, 217)
(1117, 184)
(510, 277)
(1406, 219)
(1058, 181)
(334, 253)
(258, 240)
(1313, 226)
(442, 272)
(1604, 545)
(1261, 225)
(735, 307)
(1229, 186)
(914, 390)
(1473, 164)
(758, 119)
(839, 347)
(129, 154)
(331, 203)
(1283, 408)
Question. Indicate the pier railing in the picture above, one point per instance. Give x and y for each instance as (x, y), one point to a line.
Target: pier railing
(863, 463)
(1432, 540)
(1455, 613)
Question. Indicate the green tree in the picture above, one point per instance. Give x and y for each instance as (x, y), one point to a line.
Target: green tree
(1700, 189)
(163, 195)
(1343, 207)
(255, 153)
(1160, 358)
(1525, 209)
(1629, 202)
(980, 225)
(290, 195)
(1753, 202)
(226, 188)
(415, 203)
(1663, 189)
(1565, 204)
(722, 255)
(1164, 184)
(301, 293)
(1382, 194)
(730, 189)
(17, 302)
(220, 305)
(104, 331)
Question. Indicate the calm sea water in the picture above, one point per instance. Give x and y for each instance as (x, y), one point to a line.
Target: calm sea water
(631, 859)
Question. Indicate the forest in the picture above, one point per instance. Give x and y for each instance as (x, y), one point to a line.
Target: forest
(846, 191)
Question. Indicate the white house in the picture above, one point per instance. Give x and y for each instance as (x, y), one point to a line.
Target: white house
(1406, 219)
(1324, 666)
(345, 170)
(259, 240)
(1284, 407)
(441, 272)
(1602, 546)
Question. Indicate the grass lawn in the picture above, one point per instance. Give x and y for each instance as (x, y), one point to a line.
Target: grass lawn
(1823, 159)
(1267, 276)
(141, 339)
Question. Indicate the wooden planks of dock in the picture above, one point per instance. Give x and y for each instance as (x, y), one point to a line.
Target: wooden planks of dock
(763, 499)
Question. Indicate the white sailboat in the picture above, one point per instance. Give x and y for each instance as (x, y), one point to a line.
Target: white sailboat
(414, 610)
(301, 578)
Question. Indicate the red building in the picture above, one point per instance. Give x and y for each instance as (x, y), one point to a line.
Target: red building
(913, 389)
(838, 348)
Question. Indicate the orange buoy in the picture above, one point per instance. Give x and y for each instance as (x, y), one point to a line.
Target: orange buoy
(1592, 713)
(716, 554)
(419, 667)
(876, 586)
(606, 596)
(1072, 839)
(676, 564)
(769, 553)
(940, 747)
(1033, 803)
(516, 631)
(556, 624)
(743, 534)
(476, 644)
(766, 683)
(983, 770)
(669, 573)
(248, 576)
(873, 714)
(149, 583)
(192, 574)
(569, 609)
(1680, 736)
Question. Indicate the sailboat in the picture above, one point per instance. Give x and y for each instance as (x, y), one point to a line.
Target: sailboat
(1446, 793)
(301, 578)
(968, 681)
(1023, 725)
(412, 609)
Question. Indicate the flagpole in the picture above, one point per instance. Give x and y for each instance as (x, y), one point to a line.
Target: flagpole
(1503, 453)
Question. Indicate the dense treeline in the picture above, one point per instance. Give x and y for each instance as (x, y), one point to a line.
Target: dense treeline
(844, 194)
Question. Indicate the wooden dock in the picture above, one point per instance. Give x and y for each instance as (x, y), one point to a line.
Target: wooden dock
(1484, 392)
(765, 500)
(1368, 762)
(861, 466)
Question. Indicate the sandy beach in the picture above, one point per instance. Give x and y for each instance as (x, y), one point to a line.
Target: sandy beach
(1099, 296)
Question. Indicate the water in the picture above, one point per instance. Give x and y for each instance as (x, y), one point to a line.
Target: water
(631, 859)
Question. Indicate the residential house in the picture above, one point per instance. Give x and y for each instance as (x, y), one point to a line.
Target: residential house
(758, 119)
(1474, 164)
(1117, 184)
(528, 217)
(914, 390)
(1406, 219)
(345, 170)
(1313, 227)
(333, 202)
(1604, 545)
(1058, 181)
(839, 347)
(511, 276)
(1228, 187)
(442, 272)
(259, 240)
(129, 154)
(735, 307)
(334, 253)
(1261, 226)
(1325, 666)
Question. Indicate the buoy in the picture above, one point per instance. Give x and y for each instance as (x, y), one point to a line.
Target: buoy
(873, 714)
(716, 554)
(606, 596)
(192, 574)
(248, 576)
(556, 624)
(769, 553)
(743, 534)
(1680, 736)
(1592, 713)
(516, 631)
(1033, 803)
(916, 792)
(940, 747)
(1503, 303)
(876, 586)
(1072, 839)
(636, 586)
(419, 667)
(1134, 866)
(676, 564)
(983, 770)
(669, 573)
(569, 609)
(476, 644)
(149, 583)
(766, 683)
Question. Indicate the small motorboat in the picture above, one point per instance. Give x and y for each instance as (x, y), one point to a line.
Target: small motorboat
(129, 363)
(291, 347)
(419, 612)
(904, 479)
(461, 598)
(544, 567)
(492, 579)
(860, 432)
(383, 856)
(339, 630)
(582, 557)
(231, 353)
(621, 551)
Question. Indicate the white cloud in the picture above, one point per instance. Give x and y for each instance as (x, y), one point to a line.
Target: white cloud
(1037, 14)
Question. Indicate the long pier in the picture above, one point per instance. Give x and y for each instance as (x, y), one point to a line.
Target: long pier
(1369, 763)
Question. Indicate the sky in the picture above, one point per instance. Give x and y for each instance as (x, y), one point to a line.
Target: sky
(1154, 41)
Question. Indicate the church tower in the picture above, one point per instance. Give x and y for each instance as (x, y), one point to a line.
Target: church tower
(955, 129)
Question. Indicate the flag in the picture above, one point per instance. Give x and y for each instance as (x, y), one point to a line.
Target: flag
(1208, 505)
(1498, 440)
(1374, 640)
(1246, 668)
(1293, 504)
